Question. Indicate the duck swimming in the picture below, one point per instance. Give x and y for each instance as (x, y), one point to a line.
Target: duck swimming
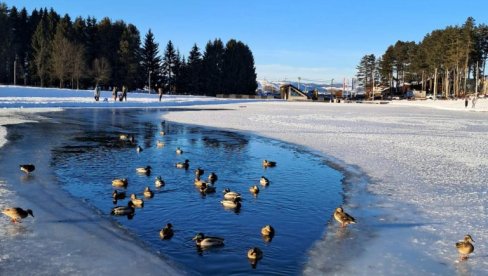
(212, 177)
(138, 202)
(206, 242)
(116, 195)
(138, 148)
(123, 210)
(267, 163)
(27, 168)
(183, 165)
(166, 232)
(16, 214)
(254, 190)
(179, 151)
(267, 230)
(120, 182)
(148, 193)
(255, 253)
(343, 218)
(465, 247)
(264, 181)
(233, 203)
(199, 172)
(159, 182)
(144, 170)
(207, 189)
(230, 195)
(198, 182)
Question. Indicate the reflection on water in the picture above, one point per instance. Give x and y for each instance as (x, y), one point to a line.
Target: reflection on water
(301, 196)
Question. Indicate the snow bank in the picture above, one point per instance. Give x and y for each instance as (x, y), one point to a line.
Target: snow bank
(427, 171)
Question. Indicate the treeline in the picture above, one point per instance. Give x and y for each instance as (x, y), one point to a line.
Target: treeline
(45, 49)
(450, 60)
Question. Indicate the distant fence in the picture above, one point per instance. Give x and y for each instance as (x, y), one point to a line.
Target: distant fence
(240, 96)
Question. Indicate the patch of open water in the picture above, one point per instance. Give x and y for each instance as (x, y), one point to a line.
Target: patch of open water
(298, 202)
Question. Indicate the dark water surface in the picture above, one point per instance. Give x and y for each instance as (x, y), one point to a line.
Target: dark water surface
(302, 194)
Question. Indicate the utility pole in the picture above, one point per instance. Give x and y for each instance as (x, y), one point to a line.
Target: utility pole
(372, 87)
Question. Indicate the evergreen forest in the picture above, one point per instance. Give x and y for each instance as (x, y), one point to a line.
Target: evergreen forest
(48, 50)
(449, 62)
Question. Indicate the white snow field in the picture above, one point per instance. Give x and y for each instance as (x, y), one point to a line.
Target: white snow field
(415, 181)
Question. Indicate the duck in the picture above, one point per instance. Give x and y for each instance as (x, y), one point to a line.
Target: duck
(159, 182)
(162, 133)
(254, 190)
(166, 232)
(116, 195)
(255, 253)
(123, 210)
(27, 168)
(230, 195)
(233, 203)
(198, 182)
(199, 172)
(264, 181)
(343, 218)
(138, 148)
(267, 230)
(207, 189)
(138, 202)
(159, 144)
(267, 163)
(123, 137)
(148, 193)
(465, 247)
(144, 170)
(183, 165)
(212, 177)
(179, 151)
(120, 182)
(16, 214)
(204, 241)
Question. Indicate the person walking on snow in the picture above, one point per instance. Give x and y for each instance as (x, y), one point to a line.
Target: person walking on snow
(474, 101)
(114, 93)
(466, 99)
(124, 93)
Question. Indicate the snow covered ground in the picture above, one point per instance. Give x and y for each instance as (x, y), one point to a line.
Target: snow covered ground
(426, 170)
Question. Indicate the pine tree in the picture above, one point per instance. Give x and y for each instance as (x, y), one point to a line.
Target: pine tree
(130, 57)
(212, 67)
(239, 73)
(194, 71)
(41, 45)
(151, 61)
(169, 67)
(5, 42)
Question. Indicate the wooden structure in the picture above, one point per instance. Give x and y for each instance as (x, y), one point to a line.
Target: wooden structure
(291, 93)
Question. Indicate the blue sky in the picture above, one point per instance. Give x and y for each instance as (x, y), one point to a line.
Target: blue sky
(315, 40)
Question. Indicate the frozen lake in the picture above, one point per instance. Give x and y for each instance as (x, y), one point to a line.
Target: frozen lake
(302, 194)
